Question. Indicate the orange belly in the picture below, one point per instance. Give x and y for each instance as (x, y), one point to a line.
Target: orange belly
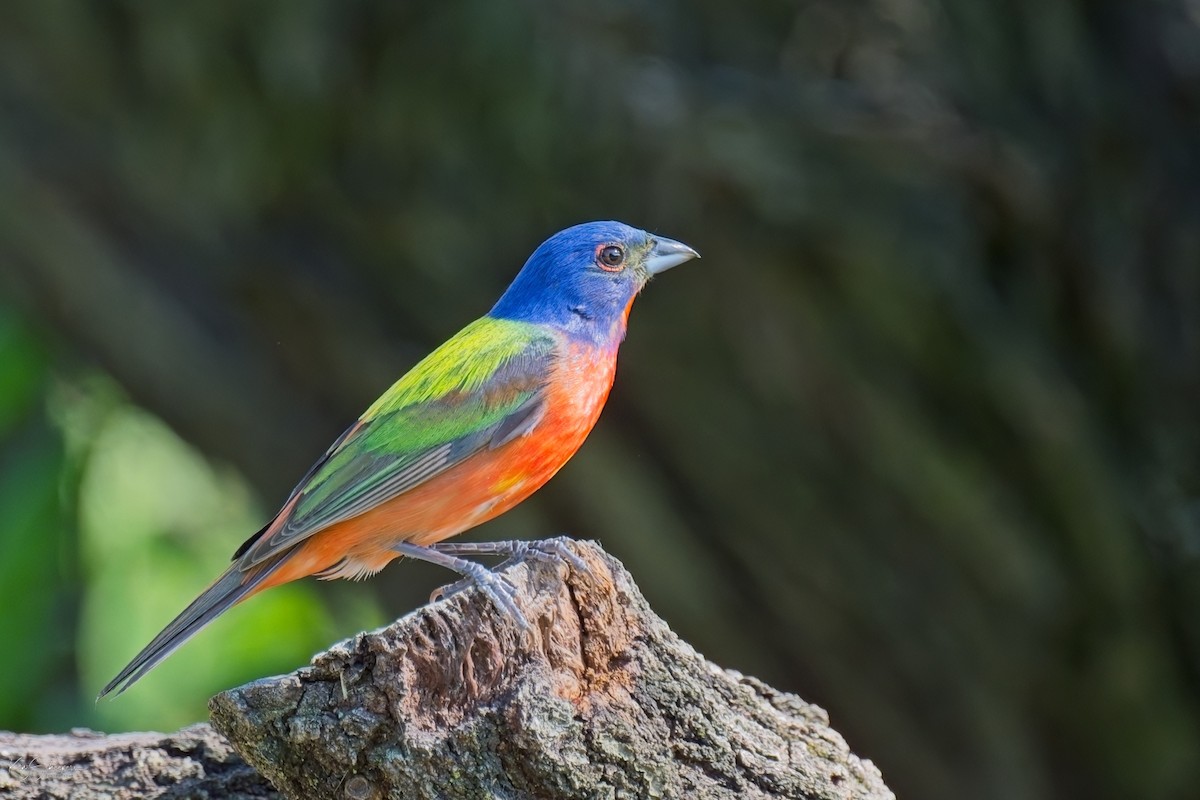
(482, 487)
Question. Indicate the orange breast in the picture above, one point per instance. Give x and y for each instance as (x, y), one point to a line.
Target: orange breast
(481, 488)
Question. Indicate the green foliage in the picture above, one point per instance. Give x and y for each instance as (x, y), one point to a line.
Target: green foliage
(34, 545)
(156, 522)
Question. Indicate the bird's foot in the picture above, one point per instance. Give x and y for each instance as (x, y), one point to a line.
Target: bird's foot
(497, 588)
(539, 549)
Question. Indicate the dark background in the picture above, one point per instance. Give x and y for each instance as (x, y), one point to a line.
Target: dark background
(917, 439)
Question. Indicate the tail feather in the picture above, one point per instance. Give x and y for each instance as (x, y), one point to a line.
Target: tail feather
(233, 586)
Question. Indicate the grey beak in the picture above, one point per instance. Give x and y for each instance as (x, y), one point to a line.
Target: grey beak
(668, 253)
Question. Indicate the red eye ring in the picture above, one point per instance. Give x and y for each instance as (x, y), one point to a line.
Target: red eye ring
(610, 257)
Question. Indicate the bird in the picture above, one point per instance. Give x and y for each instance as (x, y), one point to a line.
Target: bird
(473, 429)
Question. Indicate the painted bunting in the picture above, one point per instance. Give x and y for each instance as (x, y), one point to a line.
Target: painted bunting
(473, 429)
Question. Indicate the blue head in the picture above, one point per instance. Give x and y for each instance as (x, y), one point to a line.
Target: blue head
(583, 279)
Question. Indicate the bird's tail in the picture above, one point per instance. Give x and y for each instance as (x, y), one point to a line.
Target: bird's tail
(232, 587)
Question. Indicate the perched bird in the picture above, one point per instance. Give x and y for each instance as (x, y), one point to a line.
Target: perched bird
(473, 429)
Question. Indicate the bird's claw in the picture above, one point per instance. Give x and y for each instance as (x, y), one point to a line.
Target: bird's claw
(499, 591)
(514, 551)
(556, 548)
(502, 595)
(499, 595)
(496, 587)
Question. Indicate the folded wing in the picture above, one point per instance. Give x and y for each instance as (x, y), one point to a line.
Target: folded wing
(481, 389)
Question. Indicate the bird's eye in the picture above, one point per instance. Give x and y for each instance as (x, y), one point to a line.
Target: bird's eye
(610, 257)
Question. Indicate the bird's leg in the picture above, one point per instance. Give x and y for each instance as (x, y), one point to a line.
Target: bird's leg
(497, 589)
(541, 549)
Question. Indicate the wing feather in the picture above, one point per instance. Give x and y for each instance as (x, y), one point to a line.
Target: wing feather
(406, 444)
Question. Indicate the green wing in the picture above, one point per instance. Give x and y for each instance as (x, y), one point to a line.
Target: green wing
(482, 388)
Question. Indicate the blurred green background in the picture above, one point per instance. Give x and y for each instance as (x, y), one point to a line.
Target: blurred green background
(917, 439)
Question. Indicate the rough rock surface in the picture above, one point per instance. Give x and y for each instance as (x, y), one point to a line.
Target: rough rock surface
(599, 699)
(197, 762)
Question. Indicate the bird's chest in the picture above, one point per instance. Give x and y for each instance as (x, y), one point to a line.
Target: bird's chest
(578, 388)
(575, 392)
